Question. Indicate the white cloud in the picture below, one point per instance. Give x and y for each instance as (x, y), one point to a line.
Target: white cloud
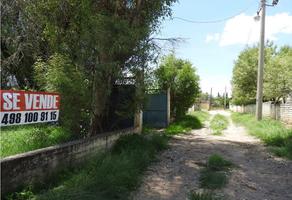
(243, 29)
(212, 37)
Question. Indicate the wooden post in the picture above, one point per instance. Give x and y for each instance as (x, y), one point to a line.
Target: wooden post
(138, 121)
(168, 106)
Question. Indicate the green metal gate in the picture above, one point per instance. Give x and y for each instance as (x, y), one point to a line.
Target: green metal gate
(155, 113)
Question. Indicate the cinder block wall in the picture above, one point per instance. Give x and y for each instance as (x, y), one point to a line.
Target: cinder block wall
(37, 166)
(281, 111)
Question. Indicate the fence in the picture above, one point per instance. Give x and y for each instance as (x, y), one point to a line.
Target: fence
(282, 112)
(40, 165)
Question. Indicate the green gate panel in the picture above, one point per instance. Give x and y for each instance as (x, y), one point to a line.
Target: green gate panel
(155, 111)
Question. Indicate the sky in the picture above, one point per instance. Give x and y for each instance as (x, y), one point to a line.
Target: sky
(213, 47)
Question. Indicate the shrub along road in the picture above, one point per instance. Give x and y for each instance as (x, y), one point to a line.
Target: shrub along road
(258, 175)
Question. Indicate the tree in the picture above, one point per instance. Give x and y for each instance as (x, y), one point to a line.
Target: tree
(180, 76)
(278, 76)
(103, 39)
(244, 77)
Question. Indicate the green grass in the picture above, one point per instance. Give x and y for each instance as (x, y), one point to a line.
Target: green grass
(273, 133)
(215, 175)
(111, 175)
(218, 124)
(19, 139)
(201, 115)
(186, 123)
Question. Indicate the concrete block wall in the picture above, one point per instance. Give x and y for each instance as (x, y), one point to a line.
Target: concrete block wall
(281, 111)
(38, 165)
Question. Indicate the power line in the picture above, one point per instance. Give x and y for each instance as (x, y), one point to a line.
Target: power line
(214, 21)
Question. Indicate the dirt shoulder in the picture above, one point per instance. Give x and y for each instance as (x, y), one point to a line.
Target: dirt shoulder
(259, 175)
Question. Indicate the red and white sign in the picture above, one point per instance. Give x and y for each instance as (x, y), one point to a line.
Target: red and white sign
(24, 107)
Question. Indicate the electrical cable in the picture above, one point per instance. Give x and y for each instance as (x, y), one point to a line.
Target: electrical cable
(214, 21)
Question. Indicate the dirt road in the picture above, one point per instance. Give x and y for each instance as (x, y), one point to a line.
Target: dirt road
(259, 176)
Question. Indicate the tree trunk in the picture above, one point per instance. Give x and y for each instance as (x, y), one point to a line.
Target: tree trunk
(101, 90)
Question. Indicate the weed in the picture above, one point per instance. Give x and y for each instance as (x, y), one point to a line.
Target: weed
(201, 196)
(110, 175)
(213, 179)
(214, 176)
(218, 124)
(216, 162)
(271, 132)
(184, 125)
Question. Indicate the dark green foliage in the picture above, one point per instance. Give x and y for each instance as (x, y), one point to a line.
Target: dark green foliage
(271, 132)
(181, 77)
(92, 42)
(218, 124)
(111, 175)
(213, 179)
(20, 139)
(59, 74)
(23, 195)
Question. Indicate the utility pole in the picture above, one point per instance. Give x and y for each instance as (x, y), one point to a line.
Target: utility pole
(225, 99)
(259, 99)
(210, 100)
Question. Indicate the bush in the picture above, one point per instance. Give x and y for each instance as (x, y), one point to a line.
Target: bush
(181, 77)
(59, 74)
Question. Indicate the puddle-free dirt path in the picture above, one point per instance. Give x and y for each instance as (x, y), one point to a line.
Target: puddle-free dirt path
(259, 176)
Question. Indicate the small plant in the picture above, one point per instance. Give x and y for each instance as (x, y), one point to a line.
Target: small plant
(213, 179)
(201, 196)
(218, 124)
(215, 175)
(216, 162)
(23, 195)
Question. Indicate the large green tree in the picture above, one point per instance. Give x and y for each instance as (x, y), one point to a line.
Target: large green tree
(180, 76)
(277, 75)
(244, 77)
(103, 39)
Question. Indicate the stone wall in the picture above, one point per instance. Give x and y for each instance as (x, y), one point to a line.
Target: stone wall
(39, 165)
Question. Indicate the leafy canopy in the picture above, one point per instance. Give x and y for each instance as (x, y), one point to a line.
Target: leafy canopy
(180, 76)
